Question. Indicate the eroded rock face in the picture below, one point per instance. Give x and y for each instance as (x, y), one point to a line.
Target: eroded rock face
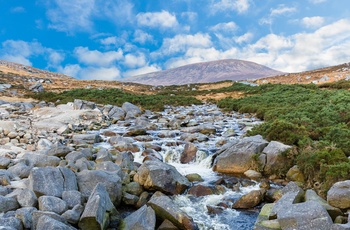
(156, 175)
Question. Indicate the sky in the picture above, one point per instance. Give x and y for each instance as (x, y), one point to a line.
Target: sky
(117, 39)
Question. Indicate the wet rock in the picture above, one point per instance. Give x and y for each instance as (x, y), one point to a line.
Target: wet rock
(98, 209)
(189, 153)
(191, 137)
(339, 195)
(276, 161)
(214, 210)
(238, 155)
(307, 215)
(52, 204)
(159, 176)
(143, 218)
(165, 209)
(250, 200)
(193, 177)
(136, 131)
(88, 179)
(201, 190)
(152, 153)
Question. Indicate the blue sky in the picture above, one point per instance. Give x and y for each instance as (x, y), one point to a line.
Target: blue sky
(114, 39)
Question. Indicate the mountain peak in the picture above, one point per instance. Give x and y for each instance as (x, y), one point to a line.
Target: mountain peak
(205, 72)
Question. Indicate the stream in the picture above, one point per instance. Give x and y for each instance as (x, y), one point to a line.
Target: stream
(228, 126)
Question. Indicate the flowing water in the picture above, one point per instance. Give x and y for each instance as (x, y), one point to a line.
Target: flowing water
(228, 127)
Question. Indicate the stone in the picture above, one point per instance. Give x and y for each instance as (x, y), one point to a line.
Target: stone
(237, 157)
(27, 198)
(136, 131)
(276, 161)
(46, 181)
(286, 201)
(8, 204)
(25, 215)
(134, 188)
(201, 190)
(11, 222)
(131, 110)
(73, 216)
(59, 150)
(98, 209)
(82, 104)
(72, 198)
(116, 113)
(4, 162)
(167, 225)
(304, 216)
(36, 215)
(144, 218)
(143, 199)
(250, 200)
(189, 153)
(103, 155)
(83, 139)
(109, 167)
(88, 179)
(339, 195)
(159, 176)
(130, 199)
(47, 222)
(294, 174)
(252, 174)
(165, 209)
(37, 88)
(21, 169)
(52, 204)
(41, 160)
(69, 179)
(194, 177)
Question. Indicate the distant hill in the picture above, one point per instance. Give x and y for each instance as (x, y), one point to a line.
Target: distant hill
(206, 72)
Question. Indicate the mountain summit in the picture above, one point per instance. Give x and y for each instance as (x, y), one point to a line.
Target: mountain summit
(205, 72)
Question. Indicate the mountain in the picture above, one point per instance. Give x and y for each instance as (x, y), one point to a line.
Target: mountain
(205, 72)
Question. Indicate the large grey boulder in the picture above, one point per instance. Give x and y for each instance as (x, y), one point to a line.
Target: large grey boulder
(22, 168)
(59, 150)
(10, 222)
(304, 216)
(237, 157)
(114, 112)
(82, 139)
(339, 195)
(98, 209)
(8, 204)
(165, 209)
(52, 204)
(276, 161)
(41, 160)
(36, 215)
(88, 179)
(81, 104)
(158, 176)
(47, 222)
(131, 110)
(27, 198)
(143, 219)
(72, 198)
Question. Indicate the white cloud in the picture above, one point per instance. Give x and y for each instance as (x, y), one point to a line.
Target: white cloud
(55, 58)
(228, 27)
(109, 41)
(247, 37)
(190, 16)
(182, 42)
(97, 58)
(143, 70)
(239, 6)
(313, 22)
(133, 61)
(163, 19)
(18, 9)
(317, 1)
(281, 10)
(100, 73)
(142, 37)
(70, 70)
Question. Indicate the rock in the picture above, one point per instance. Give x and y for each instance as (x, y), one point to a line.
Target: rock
(250, 200)
(52, 204)
(87, 180)
(167, 225)
(27, 198)
(238, 156)
(130, 199)
(286, 201)
(144, 218)
(73, 216)
(143, 199)
(191, 137)
(201, 190)
(116, 113)
(189, 153)
(276, 162)
(263, 222)
(4, 162)
(36, 215)
(58, 150)
(98, 209)
(131, 110)
(193, 177)
(8, 204)
(133, 188)
(25, 215)
(83, 139)
(159, 176)
(103, 155)
(339, 195)
(203, 129)
(165, 209)
(294, 174)
(81, 104)
(47, 222)
(37, 88)
(252, 174)
(304, 216)
(72, 198)
(11, 223)
(136, 131)
(46, 181)
(76, 155)
(310, 195)
(41, 160)
(109, 167)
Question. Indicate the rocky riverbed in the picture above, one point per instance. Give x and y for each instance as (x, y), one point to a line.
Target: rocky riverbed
(88, 166)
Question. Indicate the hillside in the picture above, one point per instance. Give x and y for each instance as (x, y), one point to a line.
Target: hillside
(214, 71)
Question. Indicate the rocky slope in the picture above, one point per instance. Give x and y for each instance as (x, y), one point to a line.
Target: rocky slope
(214, 71)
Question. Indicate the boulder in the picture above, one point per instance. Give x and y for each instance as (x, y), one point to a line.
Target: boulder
(201, 190)
(252, 174)
(37, 88)
(263, 222)
(294, 174)
(72, 216)
(193, 177)
(250, 200)
(116, 113)
(132, 111)
(237, 157)
(98, 209)
(159, 176)
(47, 222)
(136, 130)
(83, 139)
(339, 195)
(304, 216)
(36, 215)
(165, 209)
(40, 160)
(27, 198)
(59, 150)
(72, 198)
(4, 162)
(133, 188)
(81, 104)
(10, 223)
(189, 153)
(46, 181)
(144, 218)
(25, 215)
(88, 179)
(52, 204)
(8, 204)
(276, 162)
